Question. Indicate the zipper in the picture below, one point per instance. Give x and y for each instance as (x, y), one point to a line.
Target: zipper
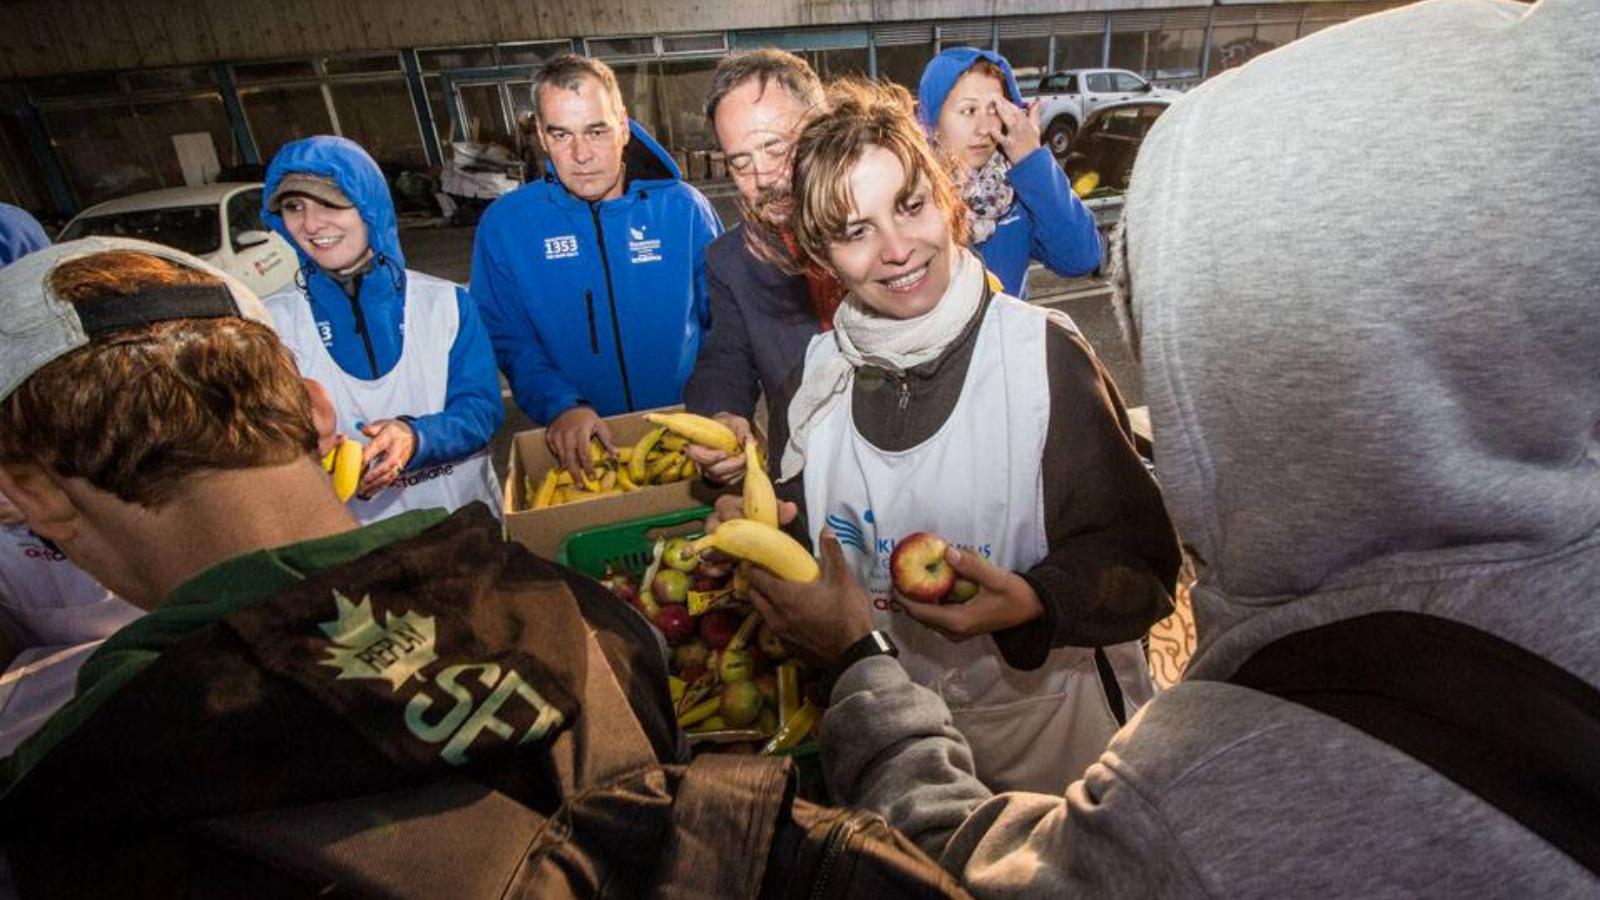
(594, 337)
(905, 390)
(361, 326)
(611, 298)
(833, 848)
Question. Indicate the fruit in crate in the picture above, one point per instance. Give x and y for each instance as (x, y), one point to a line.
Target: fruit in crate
(675, 623)
(690, 655)
(670, 586)
(741, 703)
(681, 555)
(735, 665)
(919, 569)
(718, 627)
(644, 464)
(622, 585)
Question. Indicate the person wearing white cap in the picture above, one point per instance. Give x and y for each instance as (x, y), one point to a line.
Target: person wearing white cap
(310, 705)
(403, 354)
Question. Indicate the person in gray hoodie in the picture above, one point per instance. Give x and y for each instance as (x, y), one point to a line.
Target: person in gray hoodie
(1370, 393)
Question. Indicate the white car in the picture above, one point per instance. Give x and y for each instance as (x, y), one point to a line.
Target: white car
(220, 223)
(1067, 99)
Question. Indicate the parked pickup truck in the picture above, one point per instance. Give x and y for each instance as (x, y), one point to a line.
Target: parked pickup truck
(1067, 98)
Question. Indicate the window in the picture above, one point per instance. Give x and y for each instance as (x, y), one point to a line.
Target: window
(1059, 84)
(378, 115)
(244, 214)
(362, 65)
(621, 46)
(255, 73)
(1029, 56)
(903, 63)
(187, 78)
(1098, 82)
(835, 63)
(1179, 53)
(535, 54)
(682, 93)
(1127, 83)
(715, 42)
(279, 115)
(443, 58)
(1132, 50)
(1079, 51)
(192, 229)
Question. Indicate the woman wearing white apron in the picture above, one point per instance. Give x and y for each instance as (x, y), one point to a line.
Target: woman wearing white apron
(403, 354)
(938, 404)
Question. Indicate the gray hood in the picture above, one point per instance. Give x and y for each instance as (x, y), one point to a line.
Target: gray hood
(1368, 283)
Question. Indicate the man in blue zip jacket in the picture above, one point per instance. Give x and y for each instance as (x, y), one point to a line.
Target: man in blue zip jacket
(591, 282)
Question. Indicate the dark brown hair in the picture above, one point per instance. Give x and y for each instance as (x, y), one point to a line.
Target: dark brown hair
(140, 410)
(767, 65)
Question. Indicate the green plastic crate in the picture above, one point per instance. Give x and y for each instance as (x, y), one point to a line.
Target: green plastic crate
(625, 545)
(628, 545)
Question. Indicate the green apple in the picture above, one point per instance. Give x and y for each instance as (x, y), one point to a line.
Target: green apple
(679, 553)
(741, 703)
(670, 586)
(735, 665)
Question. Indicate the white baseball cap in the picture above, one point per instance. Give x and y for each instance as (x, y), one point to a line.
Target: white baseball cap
(37, 327)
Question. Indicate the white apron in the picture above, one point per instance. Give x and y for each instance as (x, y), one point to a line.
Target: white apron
(977, 481)
(46, 600)
(416, 386)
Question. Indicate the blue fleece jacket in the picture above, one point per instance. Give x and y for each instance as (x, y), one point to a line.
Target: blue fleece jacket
(20, 234)
(1047, 222)
(365, 335)
(597, 303)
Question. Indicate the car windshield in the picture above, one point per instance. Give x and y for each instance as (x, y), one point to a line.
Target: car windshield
(192, 229)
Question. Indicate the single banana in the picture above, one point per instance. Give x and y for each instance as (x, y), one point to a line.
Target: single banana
(698, 429)
(688, 470)
(583, 496)
(659, 468)
(346, 469)
(327, 461)
(547, 489)
(794, 730)
(699, 713)
(640, 458)
(608, 479)
(597, 451)
(760, 498)
(625, 481)
(674, 442)
(763, 545)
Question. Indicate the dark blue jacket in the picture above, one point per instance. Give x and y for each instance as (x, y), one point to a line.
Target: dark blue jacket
(761, 322)
(598, 303)
(365, 335)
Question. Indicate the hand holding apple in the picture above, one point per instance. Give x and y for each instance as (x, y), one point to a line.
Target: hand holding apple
(822, 617)
(1003, 600)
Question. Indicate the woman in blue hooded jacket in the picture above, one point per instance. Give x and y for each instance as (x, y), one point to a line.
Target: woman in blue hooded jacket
(403, 355)
(1019, 203)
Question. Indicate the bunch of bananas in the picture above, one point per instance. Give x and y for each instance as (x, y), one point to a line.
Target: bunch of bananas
(659, 462)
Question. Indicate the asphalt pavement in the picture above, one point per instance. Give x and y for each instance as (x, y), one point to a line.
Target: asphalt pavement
(439, 249)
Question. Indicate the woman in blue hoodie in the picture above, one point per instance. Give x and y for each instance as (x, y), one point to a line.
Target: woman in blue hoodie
(1019, 203)
(403, 354)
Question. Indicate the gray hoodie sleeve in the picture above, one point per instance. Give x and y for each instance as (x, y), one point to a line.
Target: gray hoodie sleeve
(905, 761)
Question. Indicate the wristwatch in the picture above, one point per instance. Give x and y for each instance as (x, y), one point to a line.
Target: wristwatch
(876, 643)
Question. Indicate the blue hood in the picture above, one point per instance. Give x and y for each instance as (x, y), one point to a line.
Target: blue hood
(20, 234)
(946, 69)
(357, 176)
(647, 163)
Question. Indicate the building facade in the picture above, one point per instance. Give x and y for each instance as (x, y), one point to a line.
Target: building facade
(102, 99)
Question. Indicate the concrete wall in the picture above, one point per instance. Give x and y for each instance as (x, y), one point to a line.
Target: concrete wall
(46, 37)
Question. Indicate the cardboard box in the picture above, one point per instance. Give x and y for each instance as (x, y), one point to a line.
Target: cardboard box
(543, 530)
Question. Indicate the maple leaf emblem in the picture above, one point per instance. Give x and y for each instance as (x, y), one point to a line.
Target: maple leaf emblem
(393, 651)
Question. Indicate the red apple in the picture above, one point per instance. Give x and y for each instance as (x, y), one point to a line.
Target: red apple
(670, 586)
(675, 623)
(679, 553)
(919, 569)
(717, 627)
(963, 590)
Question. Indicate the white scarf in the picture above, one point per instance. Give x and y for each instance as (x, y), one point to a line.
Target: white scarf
(862, 337)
